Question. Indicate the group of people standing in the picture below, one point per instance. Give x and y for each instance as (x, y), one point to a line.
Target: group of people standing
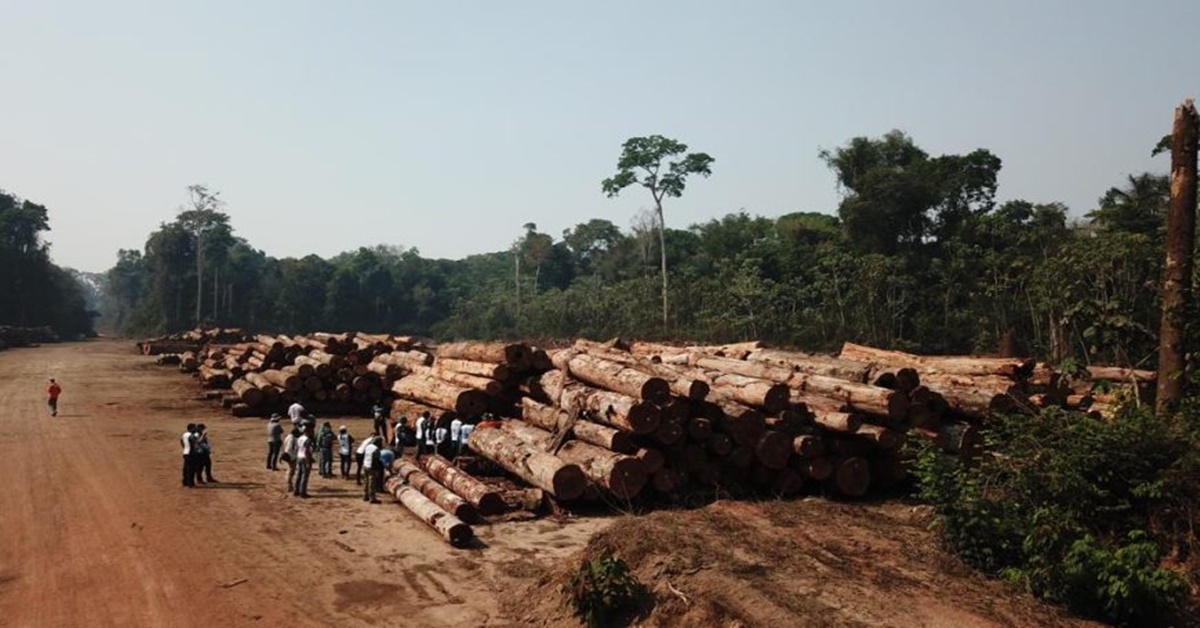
(197, 456)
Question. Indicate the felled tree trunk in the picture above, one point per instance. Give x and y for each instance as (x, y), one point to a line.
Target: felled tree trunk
(611, 408)
(490, 370)
(553, 419)
(849, 370)
(679, 383)
(757, 393)
(516, 355)
(447, 525)
(619, 378)
(1013, 368)
(439, 393)
(539, 468)
(445, 498)
(486, 500)
(861, 397)
(623, 476)
(250, 394)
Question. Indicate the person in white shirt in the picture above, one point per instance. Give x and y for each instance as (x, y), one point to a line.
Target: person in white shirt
(465, 436)
(373, 465)
(188, 440)
(423, 428)
(304, 458)
(345, 442)
(358, 457)
(295, 413)
(456, 436)
(289, 456)
(441, 434)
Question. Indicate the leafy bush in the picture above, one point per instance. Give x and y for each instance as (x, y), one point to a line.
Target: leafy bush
(1079, 510)
(603, 589)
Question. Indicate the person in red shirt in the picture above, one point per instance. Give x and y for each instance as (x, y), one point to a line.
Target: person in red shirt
(52, 393)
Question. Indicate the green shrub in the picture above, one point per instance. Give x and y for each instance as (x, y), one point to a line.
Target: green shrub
(603, 589)
(1079, 510)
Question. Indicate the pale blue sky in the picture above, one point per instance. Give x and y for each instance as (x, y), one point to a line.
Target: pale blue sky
(448, 125)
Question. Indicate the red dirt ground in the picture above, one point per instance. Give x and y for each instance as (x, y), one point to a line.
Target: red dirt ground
(97, 531)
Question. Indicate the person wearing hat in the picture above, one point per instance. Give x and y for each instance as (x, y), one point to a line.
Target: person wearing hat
(345, 445)
(274, 440)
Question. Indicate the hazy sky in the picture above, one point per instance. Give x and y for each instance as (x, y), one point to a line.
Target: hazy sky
(448, 125)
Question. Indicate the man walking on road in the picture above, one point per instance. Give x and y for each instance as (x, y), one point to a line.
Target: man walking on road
(304, 458)
(52, 394)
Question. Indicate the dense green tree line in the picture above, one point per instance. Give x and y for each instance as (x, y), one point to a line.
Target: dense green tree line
(37, 292)
(919, 255)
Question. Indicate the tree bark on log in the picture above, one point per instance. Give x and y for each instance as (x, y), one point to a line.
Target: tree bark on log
(250, 394)
(1177, 270)
(618, 378)
(445, 498)
(283, 379)
(331, 360)
(849, 370)
(432, 391)
(490, 370)
(1013, 368)
(623, 476)
(852, 477)
(773, 450)
(487, 386)
(680, 384)
(405, 359)
(861, 397)
(447, 525)
(485, 499)
(611, 408)
(320, 369)
(541, 469)
(516, 355)
(757, 393)
(553, 419)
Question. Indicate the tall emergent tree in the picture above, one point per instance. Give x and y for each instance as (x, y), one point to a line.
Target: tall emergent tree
(642, 162)
(201, 217)
(1177, 271)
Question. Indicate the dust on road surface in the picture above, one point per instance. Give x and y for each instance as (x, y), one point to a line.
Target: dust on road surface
(97, 530)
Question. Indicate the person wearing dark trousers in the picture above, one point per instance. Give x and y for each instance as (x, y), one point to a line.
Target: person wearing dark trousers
(345, 445)
(274, 441)
(52, 393)
(203, 454)
(325, 442)
(372, 464)
(189, 470)
(380, 425)
(359, 458)
(423, 427)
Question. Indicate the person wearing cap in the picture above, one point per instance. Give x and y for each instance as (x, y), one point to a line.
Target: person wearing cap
(274, 441)
(52, 393)
(373, 465)
(189, 468)
(345, 443)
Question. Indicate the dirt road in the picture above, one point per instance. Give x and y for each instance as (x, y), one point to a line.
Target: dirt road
(97, 530)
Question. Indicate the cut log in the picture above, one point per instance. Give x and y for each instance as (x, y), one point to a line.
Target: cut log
(516, 355)
(699, 428)
(652, 459)
(488, 386)
(436, 392)
(622, 476)
(1012, 368)
(844, 422)
(720, 445)
(681, 384)
(852, 476)
(486, 499)
(405, 359)
(447, 525)
(756, 393)
(541, 469)
(331, 360)
(611, 408)
(489, 370)
(773, 449)
(808, 445)
(320, 369)
(553, 419)
(283, 379)
(618, 378)
(445, 498)
(881, 436)
(1123, 375)
(861, 397)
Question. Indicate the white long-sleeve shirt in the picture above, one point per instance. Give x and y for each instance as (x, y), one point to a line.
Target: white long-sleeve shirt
(302, 447)
(362, 447)
(456, 430)
(344, 444)
(186, 439)
(369, 453)
(295, 412)
(422, 423)
(467, 428)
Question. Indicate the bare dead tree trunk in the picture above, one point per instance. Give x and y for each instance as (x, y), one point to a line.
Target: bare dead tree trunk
(662, 250)
(1177, 273)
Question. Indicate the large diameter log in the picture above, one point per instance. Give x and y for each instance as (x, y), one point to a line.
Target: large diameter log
(331, 360)
(838, 421)
(553, 419)
(283, 379)
(1118, 374)
(808, 445)
(681, 384)
(1014, 368)
(447, 525)
(539, 468)
(487, 385)
(304, 370)
(441, 394)
(720, 444)
(470, 367)
(852, 476)
(405, 359)
(978, 396)
(619, 378)
(745, 425)
(773, 449)
(516, 355)
(320, 369)
(757, 393)
(250, 394)
(828, 366)
(546, 388)
(881, 436)
(861, 397)
(486, 499)
(610, 408)
(445, 498)
(652, 459)
(623, 476)
(385, 370)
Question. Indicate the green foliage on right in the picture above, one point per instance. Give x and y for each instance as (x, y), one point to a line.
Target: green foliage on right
(1078, 510)
(603, 590)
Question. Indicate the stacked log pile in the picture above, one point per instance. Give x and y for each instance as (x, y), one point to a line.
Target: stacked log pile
(25, 336)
